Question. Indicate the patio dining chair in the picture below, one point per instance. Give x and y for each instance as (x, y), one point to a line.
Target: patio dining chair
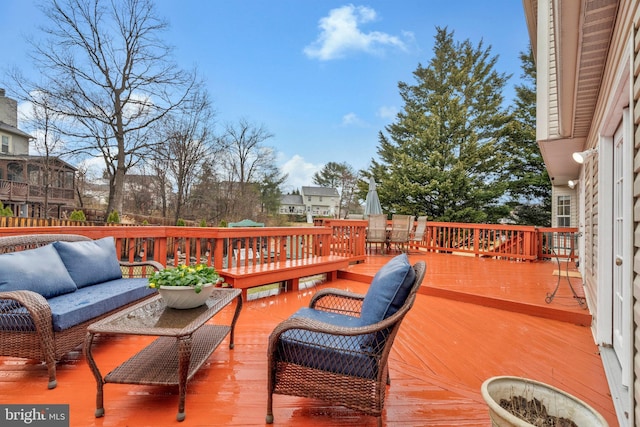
(337, 349)
(377, 230)
(417, 236)
(401, 226)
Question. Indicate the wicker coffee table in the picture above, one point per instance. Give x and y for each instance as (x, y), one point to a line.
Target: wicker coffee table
(184, 342)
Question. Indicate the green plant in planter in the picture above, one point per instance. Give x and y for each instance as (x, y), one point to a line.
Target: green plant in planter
(184, 275)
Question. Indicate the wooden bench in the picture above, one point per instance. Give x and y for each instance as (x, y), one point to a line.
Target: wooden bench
(289, 271)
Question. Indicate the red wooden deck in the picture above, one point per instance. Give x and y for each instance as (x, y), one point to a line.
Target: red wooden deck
(475, 318)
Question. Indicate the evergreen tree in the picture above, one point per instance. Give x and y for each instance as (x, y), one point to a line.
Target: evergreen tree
(342, 177)
(270, 192)
(440, 158)
(529, 187)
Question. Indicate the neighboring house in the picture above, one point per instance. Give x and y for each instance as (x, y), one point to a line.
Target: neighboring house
(292, 204)
(140, 194)
(317, 201)
(588, 63)
(22, 183)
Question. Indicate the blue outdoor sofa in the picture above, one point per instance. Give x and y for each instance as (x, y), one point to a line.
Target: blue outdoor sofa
(53, 286)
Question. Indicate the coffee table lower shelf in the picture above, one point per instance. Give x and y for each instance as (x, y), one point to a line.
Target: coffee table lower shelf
(159, 362)
(186, 339)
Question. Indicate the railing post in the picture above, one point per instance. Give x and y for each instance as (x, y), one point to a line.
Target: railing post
(218, 254)
(476, 242)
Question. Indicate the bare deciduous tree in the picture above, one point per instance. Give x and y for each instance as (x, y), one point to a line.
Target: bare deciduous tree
(42, 121)
(188, 142)
(111, 76)
(245, 161)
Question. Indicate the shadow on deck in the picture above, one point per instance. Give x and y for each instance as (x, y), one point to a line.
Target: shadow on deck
(475, 318)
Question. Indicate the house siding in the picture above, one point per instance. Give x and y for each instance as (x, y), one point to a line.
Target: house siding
(585, 111)
(554, 125)
(636, 208)
(557, 191)
(590, 235)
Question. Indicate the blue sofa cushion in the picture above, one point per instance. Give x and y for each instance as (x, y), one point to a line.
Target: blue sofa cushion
(92, 301)
(339, 354)
(388, 290)
(90, 262)
(40, 270)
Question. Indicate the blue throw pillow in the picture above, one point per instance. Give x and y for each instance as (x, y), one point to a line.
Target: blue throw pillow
(40, 270)
(90, 262)
(388, 291)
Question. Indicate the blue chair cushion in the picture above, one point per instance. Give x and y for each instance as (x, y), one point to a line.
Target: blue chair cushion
(339, 354)
(331, 318)
(93, 301)
(39, 270)
(90, 262)
(388, 290)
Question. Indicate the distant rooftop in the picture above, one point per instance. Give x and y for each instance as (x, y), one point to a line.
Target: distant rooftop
(320, 191)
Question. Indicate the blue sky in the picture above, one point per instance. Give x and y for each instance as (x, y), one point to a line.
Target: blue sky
(321, 75)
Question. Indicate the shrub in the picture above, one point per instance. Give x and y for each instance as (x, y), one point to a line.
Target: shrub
(181, 222)
(77, 215)
(113, 218)
(203, 223)
(5, 211)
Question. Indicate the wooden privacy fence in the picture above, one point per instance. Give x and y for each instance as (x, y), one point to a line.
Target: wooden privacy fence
(15, 221)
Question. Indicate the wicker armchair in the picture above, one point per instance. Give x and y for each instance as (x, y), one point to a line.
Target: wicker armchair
(327, 351)
(40, 341)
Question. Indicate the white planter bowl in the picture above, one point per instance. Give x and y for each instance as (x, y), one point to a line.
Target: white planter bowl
(557, 402)
(183, 297)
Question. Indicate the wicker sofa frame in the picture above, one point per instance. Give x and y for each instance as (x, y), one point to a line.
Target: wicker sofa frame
(44, 343)
(346, 386)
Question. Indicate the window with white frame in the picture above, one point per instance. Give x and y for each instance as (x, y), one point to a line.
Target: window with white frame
(5, 144)
(563, 211)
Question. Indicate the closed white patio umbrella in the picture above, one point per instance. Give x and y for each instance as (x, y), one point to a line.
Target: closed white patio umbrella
(372, 204)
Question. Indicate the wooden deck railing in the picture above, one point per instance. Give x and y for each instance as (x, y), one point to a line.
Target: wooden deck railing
(516, 242)
(220, 247)
(228, 247)
(561, 243)
(490, 240)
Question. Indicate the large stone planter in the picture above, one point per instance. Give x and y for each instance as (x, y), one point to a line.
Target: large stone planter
(557, 402)
(184, 297)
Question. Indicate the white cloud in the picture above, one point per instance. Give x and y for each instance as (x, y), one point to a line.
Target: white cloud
(387, 113)
(340, 34)
(300, 173)
(352, 119)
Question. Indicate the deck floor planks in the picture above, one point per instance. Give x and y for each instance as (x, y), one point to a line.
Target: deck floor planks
(443, 352)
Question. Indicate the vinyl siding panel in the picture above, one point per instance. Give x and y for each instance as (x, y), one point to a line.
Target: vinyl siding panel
(636, 211)
(591, 235)
(553, 129)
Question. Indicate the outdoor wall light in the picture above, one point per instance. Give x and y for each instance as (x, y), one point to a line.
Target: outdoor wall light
(572, 183)
(581, 156)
